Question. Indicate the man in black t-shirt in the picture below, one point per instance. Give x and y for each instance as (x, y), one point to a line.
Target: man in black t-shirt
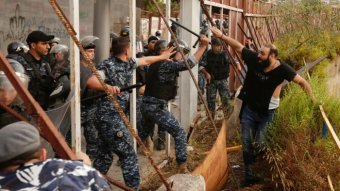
(265, 73)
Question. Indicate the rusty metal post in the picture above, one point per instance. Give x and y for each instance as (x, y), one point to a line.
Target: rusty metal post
(255, 31)
(251, 32)
(269, 31)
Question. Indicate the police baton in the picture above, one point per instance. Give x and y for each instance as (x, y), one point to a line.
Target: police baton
(190, 31)
(128, 89)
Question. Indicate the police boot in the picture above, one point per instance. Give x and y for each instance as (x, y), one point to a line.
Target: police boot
(182, 168)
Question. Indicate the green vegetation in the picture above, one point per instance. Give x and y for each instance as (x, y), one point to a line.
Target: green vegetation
(311, 31)
(149, 6)
(299, 158)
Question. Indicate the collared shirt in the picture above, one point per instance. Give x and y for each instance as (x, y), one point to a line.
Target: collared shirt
(169, 71)
(117, 73)
(54, 174)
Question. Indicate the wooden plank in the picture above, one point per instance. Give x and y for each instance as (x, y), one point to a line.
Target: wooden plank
(234, 148)
(215, 165)
(330, 183)
(330, 127)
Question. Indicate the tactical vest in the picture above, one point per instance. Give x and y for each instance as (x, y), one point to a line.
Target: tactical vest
(40, 85)
(155, 88)
(217, 65)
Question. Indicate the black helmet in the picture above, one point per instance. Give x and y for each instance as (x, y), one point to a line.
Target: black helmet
(125, 32)
(182, 45)
(160, 45)
(16, 47)
(151, 38)
(158, 33)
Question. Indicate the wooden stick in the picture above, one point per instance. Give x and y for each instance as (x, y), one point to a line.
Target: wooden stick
(330, 127)
(330, 183)
(234, 148)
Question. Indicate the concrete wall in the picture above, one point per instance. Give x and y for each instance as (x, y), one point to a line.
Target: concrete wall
(19, 17)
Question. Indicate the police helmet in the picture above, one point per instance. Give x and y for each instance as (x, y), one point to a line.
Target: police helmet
(113, 35)
(151, 38)
(60, 48)
(125, 32)
(16, 47)
(55, 40)
(6, 85)
(88, 42)
(181, 45)
(158, 33)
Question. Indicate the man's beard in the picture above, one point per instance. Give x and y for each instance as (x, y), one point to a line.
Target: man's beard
(264, 64)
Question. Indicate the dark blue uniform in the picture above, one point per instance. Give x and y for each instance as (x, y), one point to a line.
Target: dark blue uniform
(53, 174)
(161, 86)
(111, 128)
(217, 65)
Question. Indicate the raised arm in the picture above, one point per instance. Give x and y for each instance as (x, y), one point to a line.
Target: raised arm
(153, 59)
(237, 46)
(305, 86)
(204, 41)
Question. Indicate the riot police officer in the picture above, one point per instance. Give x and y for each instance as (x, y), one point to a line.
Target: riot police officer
(9, 96)
(161, 86)
(61, 72)
(118, 70)
(89, 109)
(215, 67)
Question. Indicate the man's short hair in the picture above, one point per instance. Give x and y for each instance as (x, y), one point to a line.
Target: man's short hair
(119, 45)
(272, 49)
(18, 142)
(216, 41)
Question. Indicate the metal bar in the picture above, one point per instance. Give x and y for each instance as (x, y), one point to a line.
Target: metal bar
(47, 128)
(185, 28)
(277, 27)
(244, 33)
(168, 36)
(211, 3)
(189, 69)
(13, 112)
(92, 67)
(75, 83)
(258, 15)
(251, 32)
(248, 37)
(257, 38)
(269, 31)
(133, 96)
